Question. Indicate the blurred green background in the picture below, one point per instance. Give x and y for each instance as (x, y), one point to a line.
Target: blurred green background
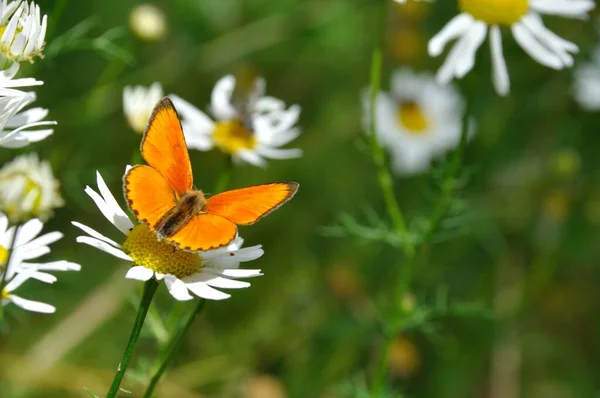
(525, 253)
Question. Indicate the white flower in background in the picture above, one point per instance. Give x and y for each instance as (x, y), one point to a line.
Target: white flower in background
(27, 246)
(148, 22)
(418, 120)
(251, 129)
(586, 85)
(16, 125)
(183, 271)
(8, 83)
(23, 31)
(138, 103)
(28, 189)
(470, 28)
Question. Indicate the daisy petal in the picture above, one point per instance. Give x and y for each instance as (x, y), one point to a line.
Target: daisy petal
(31, 305)
(499, 70)
(201, 289)
(100, 245)
(177, 288)
(139, 273)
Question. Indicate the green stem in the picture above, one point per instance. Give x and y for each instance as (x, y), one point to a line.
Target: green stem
(406, 272)
(149, 289)
(172, 348)
(383, 173)
(3, 279)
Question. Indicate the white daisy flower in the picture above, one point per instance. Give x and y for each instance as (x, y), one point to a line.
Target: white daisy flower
(418, 120)
(182, 271)
(8, 83)
(148, 22)
(138, 103)
(16, 125)
(28, 189)
(586, 85)
(27, 246)
(470, 28)
(251, 130)
(23, 31)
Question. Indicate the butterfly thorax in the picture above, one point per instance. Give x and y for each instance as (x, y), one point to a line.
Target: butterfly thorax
(189, 204)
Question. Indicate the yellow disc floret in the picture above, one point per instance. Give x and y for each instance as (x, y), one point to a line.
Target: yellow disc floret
(148, 250)
(231, 136)
(3, 256)
(412, 118)
(495, 12)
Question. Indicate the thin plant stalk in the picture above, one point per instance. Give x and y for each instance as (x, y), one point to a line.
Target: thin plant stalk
(172, 346)
(149, 289)
(384, 177)
(406, 272)
(3, 279)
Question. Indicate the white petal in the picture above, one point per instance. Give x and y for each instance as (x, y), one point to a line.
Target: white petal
(250, 157)
(199, 121)
(215, 281)
(119, 218)
(499, 69)
(139, 273)
(41, 276)
(100, 245)
(220, 105)
(177, 288)
(95, 234)
(457, 27)
(564, 8)
(236, 273)
(61, 265)
(532, 46)
(17, 281)
(45, 239)
(277, 153)
(561, 47)
(473, 38)
(31, 305)
(28, 231)
(201, 289)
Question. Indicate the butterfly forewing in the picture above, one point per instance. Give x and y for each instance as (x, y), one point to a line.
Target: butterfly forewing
(164, 148)
(247, 205)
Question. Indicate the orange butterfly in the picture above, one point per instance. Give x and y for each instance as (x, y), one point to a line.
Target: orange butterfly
(162, 195)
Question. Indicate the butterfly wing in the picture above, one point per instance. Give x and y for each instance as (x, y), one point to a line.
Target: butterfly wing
(204, 232)
(163, 147)
(247, 205)
(149, 194)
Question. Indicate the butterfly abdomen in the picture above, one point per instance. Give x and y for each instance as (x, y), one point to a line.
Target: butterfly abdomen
(190, 204)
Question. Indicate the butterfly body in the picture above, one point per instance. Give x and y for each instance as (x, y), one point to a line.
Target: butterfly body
(190, 204)
(162, 194)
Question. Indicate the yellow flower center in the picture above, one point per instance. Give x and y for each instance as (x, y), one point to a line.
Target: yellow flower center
(147, 250)
(411, 117)
(495, 12)
(14, 209)
(3, 256)
(231, 136)
(4, 294)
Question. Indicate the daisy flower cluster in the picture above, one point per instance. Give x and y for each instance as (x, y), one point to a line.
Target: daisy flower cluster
(184, 273)
(28, 190)
(19, 250)
(417, 120)
(249, 126)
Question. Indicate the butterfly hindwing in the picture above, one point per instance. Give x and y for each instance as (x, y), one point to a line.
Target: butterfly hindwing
(247, 205)
(204, 232)
(149, 195)
(163, 147)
